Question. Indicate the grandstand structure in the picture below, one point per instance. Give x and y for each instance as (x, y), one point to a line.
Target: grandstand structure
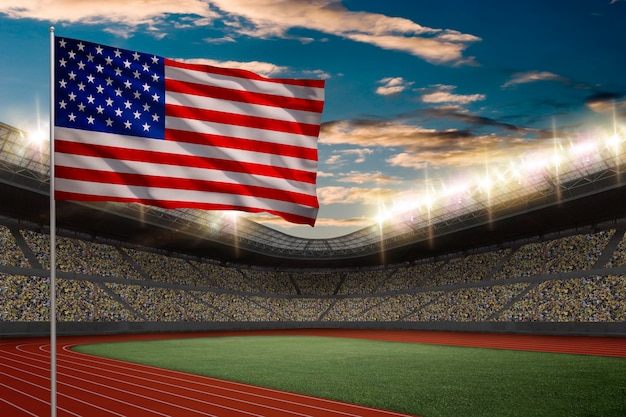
(586, 195)
(546, 257)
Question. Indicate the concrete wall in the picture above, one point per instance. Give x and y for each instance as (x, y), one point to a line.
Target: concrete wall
(31, 329)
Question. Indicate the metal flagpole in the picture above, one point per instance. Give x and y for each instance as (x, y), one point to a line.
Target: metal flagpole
(53, 228)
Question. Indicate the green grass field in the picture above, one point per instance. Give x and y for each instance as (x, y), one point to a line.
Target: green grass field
(425, 380)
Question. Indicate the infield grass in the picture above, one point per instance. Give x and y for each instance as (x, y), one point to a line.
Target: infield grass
(419, 379)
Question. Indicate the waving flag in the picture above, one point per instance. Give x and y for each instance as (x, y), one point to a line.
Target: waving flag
(135, 127)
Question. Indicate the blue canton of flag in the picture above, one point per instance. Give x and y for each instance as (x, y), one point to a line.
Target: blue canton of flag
(109, 90)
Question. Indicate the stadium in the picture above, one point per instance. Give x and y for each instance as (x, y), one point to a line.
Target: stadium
(547, 258)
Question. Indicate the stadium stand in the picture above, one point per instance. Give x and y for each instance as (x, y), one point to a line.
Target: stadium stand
(553, 281)
(549, 257)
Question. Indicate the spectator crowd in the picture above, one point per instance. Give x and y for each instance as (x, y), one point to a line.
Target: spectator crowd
(110, 282)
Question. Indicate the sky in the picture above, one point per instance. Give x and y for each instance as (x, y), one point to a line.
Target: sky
(420, 94)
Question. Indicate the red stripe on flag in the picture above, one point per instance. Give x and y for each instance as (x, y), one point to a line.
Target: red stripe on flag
(174, 110)
(241, 143)
(173, 204)
(111, 152)
(240, 73)
(154, 181)
(221, 93)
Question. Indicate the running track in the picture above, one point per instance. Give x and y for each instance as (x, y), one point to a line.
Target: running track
(91, 387)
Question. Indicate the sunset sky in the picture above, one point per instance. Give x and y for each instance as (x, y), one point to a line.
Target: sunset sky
(418, 93)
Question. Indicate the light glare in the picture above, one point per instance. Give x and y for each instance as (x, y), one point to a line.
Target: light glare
(531, 168)
(38, 137)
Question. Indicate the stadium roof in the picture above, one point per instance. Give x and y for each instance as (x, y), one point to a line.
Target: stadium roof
(588, 192)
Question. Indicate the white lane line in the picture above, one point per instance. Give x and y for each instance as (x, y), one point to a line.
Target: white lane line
(76, 387)
(120, 382)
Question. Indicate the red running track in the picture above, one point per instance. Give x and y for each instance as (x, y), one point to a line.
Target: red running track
(91, 386)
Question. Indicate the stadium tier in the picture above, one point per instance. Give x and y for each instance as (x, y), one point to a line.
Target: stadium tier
(568, 284)
(550, 259)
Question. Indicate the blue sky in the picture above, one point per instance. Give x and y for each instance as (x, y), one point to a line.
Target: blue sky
(418, 93)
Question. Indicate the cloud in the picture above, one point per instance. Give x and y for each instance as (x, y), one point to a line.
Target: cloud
(384, 134)
(260, 19)
(266, 69)
(378, 177)
(322, 75)
(392, 85)
(125, 12)
(352, 223)
(417, 147)
(451, 113)
(358, 222)
(443, 94)
(533, 76)
(353, 195)
(358, 153)
(606, 102)
(434, 50)
(324, 174)
(480, 152)
(335, 161)
(338, 158)
(327, 16)
(403, 131)
(262, 68)
(224, 39)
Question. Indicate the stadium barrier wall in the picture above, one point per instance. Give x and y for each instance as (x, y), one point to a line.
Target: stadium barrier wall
(31, 329)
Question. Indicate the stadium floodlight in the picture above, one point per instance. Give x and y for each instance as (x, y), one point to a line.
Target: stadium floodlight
(38, 138)
(382, 216)
(614, 142)
(592, 162)
(583, 149)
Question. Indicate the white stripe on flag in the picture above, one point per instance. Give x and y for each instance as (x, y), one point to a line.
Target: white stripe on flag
(157, 169)
(248, 109)
(182, 148)
(243, 132)
(244, 84)
(185, 196)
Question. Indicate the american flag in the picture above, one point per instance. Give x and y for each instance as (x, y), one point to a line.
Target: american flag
(136, 127)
